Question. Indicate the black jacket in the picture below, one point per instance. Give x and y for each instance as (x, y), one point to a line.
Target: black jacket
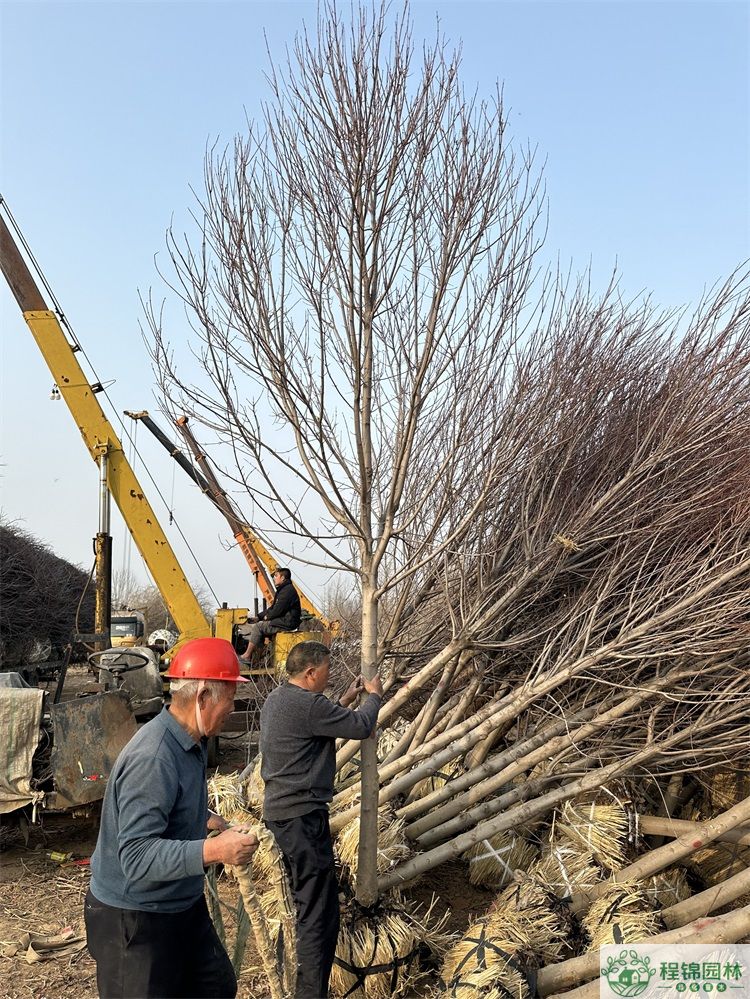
(285, 611)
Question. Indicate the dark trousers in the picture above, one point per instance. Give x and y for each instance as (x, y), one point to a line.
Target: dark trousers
(305, 843)
(157, 955)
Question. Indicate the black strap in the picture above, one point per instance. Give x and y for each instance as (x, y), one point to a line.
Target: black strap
(612, 907)
(482, 946)
(361, 974)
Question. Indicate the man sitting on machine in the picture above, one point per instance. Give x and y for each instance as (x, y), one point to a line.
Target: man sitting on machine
(283, 614)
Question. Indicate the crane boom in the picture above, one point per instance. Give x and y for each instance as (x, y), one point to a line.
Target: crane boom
(253, 548)
(100, 439)
(256, 554)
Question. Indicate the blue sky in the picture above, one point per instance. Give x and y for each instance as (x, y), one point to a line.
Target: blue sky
(639, 111)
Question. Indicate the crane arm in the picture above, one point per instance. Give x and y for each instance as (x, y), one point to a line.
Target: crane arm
(250, 546)
(256, 554)
(100, 438)
(255, 551)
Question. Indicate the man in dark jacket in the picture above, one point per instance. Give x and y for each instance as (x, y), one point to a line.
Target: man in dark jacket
(298, 731)
(283, 614)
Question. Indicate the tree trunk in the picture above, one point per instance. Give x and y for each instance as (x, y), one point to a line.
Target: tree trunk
(455, 744)
(367, 870)
(417, 682)
(496, 763)
(480, 753)
(427, 714)
(442, 722)
(438, 820)
(520, 815)
(669, 801)
(707, 901)
(672, 828)
(458, 713)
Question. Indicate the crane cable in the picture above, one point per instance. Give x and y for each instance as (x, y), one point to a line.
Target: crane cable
(79, 348)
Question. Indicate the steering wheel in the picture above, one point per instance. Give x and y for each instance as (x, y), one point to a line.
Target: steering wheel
(116, 668)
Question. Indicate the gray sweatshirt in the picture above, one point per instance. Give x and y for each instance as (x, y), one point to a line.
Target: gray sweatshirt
(298, 732)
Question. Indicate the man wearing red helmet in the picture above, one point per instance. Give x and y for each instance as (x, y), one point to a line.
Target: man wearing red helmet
(146, 895)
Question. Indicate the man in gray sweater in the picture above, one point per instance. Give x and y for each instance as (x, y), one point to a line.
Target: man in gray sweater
(299, 726)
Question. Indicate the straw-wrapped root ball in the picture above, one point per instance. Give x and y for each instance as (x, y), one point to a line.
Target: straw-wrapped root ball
(493, 861)
(667, 887)
(565, 869)
(525, 927)
(718, 862)
(389, 738)
(348, 771)
(382, 953)
(487, 962)
(541, 923)
(599, 828)
(726, 788)
(392, 845)
(435, 781)
(625, 914)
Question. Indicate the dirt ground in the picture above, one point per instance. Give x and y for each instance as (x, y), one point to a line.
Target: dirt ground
(39, 894)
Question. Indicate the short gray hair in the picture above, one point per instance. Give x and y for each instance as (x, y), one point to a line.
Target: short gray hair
(184, 689)
(305, 654)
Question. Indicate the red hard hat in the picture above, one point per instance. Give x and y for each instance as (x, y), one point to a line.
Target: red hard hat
(206, 659)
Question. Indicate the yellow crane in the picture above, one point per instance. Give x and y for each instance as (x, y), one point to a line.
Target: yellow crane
(116, 473)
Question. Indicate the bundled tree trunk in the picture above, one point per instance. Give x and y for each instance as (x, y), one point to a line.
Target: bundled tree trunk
(664, 856)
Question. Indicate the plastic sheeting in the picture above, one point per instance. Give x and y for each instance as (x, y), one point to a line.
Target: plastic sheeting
(20, 718)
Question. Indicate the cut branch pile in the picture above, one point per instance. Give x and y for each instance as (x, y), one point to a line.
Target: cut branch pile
(602, 606)
(600, 626)
(39, 596)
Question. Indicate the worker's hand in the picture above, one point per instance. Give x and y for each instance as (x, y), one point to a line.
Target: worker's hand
(374, 686)
(216, 822)
(230, 847)
(352, 692)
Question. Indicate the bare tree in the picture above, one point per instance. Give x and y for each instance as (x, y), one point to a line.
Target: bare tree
(356, 293)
